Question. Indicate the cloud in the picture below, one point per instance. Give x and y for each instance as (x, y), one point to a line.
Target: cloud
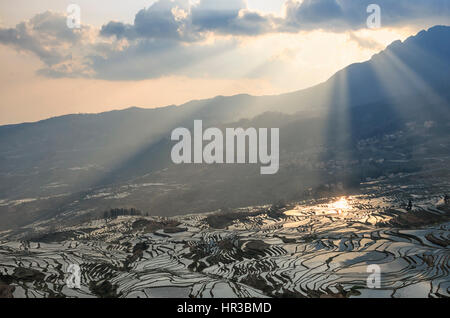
(118, 29)
(165, 19)
(184, 21)
(179, 20)
(230, 17)
(170, 37)
(37, 36)
(344, 15)
(47, 36)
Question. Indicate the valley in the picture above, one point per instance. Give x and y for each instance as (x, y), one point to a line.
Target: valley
(311, 248)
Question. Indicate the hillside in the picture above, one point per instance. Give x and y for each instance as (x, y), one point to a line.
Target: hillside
(385, 116)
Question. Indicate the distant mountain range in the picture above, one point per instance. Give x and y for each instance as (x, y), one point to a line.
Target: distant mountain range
(369, 120)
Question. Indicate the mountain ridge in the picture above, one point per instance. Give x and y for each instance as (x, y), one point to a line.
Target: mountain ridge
(393, 46)
(74, 159)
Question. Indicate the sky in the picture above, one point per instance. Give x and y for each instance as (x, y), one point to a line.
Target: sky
(164, 52)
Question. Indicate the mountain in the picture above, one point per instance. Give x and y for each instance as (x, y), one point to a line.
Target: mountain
(370, 120)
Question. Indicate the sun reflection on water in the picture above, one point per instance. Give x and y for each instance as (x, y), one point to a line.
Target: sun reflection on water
(340, 206)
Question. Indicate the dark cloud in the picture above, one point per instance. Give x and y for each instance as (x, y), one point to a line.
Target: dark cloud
(343, 15)
(164, 19)
(167, 38)
(220, 15)
(177, 19)
(118, 29)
